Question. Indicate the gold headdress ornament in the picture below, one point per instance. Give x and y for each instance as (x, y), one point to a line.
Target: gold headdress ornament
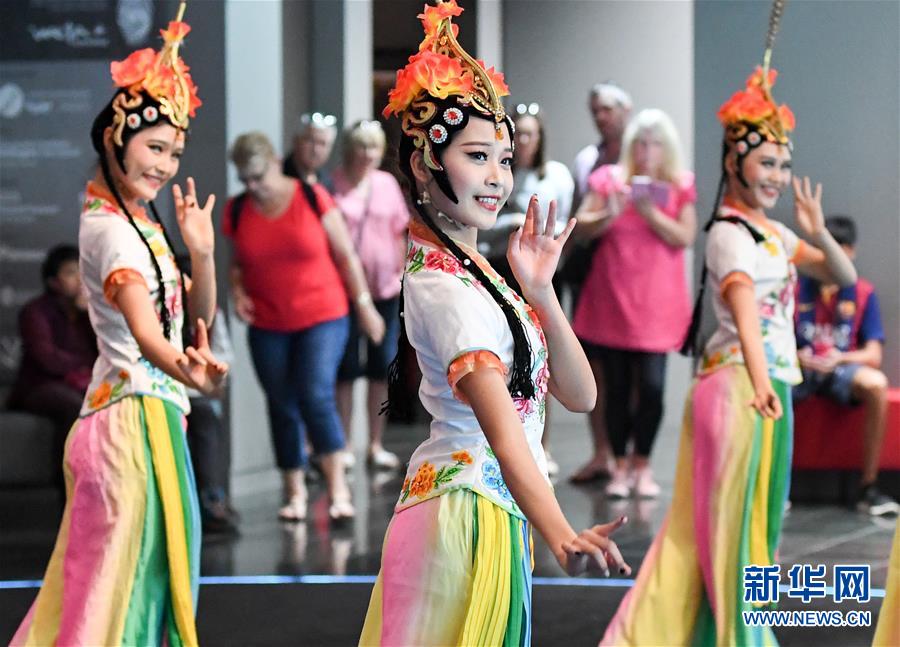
(751, 115)
(443, 69)
(161, 76)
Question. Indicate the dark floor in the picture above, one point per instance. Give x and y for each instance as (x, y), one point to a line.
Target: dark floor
(331, 614)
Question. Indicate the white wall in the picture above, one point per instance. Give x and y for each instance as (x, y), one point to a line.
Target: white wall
(253, 90)
(554, 51)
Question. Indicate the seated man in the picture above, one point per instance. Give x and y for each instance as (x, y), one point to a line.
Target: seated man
(839, 341)
(58, 345)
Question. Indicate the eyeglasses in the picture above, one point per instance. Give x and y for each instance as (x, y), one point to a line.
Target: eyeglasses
(317, 120)
(528, 109)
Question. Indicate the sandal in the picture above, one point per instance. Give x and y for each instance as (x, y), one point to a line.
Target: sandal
(341, 508)
(294, 509)
(590, 473)
(382, 459)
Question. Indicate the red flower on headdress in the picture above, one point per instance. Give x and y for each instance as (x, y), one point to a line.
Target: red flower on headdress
(176, 32)
(756, 78)
(754, 105)
(745, 105)
(156, 73)
(435, 74)
(133, 69)
(433, 16)
(786, 115)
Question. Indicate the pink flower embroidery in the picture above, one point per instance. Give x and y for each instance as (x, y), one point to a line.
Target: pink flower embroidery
(524, 406)
(435, 260)
(543, 379)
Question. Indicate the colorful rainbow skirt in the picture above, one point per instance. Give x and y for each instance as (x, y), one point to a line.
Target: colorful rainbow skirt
(455, 570)
(887, 631)
(731, 485)
(125, 568)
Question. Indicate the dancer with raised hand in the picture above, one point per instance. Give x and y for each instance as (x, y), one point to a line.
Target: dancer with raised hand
(734, 461)
(457, 558)
(125, 567)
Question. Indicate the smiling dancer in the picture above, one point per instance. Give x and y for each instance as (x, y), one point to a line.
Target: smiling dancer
(456, 566)
(733, 468)
(126, 563)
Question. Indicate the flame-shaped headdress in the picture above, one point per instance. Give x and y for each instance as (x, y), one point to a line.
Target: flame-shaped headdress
(751, 116)
(440, 70)
(154, 83)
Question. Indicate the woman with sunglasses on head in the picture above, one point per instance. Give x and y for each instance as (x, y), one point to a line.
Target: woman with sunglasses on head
(312, 147)
(126, 564)
(294, 276)
(376, 214)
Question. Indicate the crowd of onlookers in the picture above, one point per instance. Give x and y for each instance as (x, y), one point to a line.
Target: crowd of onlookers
(316, 263)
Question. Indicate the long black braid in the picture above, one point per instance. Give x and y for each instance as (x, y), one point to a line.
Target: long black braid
(689, 347)
(520, 384)
(102, 121)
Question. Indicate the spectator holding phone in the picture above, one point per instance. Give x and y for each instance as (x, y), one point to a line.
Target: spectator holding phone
(635, 305)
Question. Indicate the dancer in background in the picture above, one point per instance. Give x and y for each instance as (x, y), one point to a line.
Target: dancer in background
(125, 566)
(734, 461)
(457, 558)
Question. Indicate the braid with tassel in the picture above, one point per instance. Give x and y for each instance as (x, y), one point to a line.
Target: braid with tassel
(184, 293)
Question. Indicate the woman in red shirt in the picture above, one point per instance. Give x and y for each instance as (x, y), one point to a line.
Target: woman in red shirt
(292, 270)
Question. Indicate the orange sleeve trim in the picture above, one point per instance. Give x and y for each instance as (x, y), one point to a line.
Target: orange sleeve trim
(803, 254)
(734, 277)
(470, 362)
(117, 279)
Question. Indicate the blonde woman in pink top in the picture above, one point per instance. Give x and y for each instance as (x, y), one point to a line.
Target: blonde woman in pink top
(635, 307)
(377, 215)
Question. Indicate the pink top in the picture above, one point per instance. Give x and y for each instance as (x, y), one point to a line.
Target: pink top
(377, 216)
(635, 296)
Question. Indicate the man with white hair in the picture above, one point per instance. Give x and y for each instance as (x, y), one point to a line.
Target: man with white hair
(610, 107)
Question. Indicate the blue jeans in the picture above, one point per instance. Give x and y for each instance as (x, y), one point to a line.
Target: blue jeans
(297, 371)
(374, 363)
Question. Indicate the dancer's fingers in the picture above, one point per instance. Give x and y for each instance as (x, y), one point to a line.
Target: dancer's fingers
(570, 227)
(194, 356)
(210, 203)
(609, 528)
(550, 227)
(202, 339)
(532, 215)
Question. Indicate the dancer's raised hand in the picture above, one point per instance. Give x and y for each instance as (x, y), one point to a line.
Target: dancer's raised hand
(200, 367)
(592, 549)
(195, 222)
(533, 252)
(808, 207)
